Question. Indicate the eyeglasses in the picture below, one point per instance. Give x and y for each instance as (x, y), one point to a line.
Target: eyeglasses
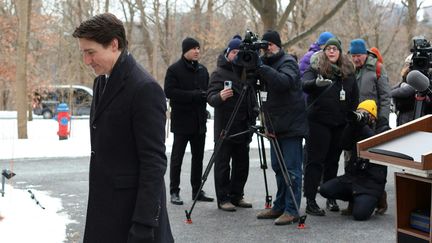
(331, 48)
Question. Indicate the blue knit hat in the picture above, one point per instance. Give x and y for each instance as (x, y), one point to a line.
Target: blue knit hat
(358, 46)
(323, 37)
(233, 44)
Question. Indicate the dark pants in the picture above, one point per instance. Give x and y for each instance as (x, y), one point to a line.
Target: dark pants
(363, 204)
(229, 183)
(197, 142)
(323, 153)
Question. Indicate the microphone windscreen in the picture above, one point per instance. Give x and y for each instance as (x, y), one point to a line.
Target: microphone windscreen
(418, 80)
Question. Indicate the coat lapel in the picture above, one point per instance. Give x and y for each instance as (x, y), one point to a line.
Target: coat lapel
(116, 83)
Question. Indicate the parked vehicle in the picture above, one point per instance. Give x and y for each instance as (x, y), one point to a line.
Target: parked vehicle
(77, 97)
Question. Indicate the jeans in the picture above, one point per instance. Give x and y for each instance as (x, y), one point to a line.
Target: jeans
(292, 152)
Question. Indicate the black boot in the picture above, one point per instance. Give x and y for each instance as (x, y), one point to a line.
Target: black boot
(332, 205)
(313, 209)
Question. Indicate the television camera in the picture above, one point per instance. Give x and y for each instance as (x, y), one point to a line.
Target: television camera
(248, 56)
(422, 56)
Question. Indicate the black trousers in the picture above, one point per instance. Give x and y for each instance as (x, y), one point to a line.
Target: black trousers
(323, 153)
(340, 188)
(229, 183)
(197, 142)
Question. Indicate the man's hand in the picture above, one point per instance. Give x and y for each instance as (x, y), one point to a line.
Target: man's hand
(321, 82)
(226, 93)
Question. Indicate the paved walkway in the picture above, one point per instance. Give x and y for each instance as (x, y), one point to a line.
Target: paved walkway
(213, 225)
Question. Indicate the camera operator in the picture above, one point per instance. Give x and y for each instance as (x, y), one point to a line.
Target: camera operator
(223, 94)
(286, 120)
(363, 183)
(403, 96)
(332, 91)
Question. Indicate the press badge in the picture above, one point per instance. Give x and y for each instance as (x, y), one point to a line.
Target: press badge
(263, 96)
(342, 95)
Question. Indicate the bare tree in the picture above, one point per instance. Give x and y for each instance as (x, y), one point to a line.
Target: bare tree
(23, 9)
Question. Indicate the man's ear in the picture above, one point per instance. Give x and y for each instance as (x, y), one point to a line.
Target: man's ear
(114, 44)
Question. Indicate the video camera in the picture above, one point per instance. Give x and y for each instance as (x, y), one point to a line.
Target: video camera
(249, 50)
(422, 55)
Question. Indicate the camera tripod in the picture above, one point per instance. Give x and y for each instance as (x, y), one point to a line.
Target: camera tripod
(261, 133)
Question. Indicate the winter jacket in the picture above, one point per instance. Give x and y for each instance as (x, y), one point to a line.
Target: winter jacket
(372, 88)
(403, 96)
(366, 178)
(186, 85)
(324, 104)
(305, 60)
(245, 116)
(285, 105)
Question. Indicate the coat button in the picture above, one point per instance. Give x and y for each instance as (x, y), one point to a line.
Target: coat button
(93, 153)
(94, 126)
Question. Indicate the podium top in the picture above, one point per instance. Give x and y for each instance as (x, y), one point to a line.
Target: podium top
(412, 145)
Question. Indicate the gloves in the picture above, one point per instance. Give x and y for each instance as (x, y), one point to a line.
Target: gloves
(140, 233)
(321, 82)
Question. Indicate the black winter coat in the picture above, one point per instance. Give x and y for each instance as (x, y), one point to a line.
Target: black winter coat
(324, 104)
(366, 178)
(245, 117)
(285, 105)
(186, 86)
(128, 162)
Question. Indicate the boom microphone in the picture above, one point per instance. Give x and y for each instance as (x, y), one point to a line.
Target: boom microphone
(418, 80)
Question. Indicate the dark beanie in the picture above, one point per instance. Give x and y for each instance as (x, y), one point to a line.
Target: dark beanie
(333, 42)
(188, 44)
(233, 44)
(358, 46)
(273, 37)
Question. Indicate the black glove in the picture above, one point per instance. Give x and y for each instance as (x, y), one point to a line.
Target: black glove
(140, 233)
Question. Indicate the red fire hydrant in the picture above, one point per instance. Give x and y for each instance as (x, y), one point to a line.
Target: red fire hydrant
(63, 119)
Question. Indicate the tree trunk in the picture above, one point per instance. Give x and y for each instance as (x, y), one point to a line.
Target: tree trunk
(24, 8)
(411, 21)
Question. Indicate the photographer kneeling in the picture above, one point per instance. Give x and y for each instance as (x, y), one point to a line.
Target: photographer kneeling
(363, 182)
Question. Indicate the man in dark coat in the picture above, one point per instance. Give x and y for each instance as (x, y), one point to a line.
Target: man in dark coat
(127, 201)
(186, 84)
(285, 119)
(223, 94)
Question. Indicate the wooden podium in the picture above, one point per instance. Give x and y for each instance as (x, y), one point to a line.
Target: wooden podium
(408, 147)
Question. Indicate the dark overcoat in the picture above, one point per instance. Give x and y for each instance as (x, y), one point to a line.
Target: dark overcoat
(128, 161)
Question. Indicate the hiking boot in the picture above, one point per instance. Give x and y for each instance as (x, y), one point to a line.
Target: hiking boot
(331, 205)
(313, 209)
(285, 219)
(347, 211)
(226, 206)
(382, 204)
(269, 214)
(242, 203)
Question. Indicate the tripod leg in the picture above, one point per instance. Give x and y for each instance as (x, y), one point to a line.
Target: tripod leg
(263, 165)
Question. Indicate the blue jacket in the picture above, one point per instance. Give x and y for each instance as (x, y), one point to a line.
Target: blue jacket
(305, 60)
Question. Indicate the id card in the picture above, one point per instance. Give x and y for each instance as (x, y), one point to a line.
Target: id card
(342, 95)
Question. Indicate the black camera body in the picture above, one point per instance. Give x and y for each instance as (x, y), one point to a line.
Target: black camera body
(359, 117)
(422, 56)
(248, 54)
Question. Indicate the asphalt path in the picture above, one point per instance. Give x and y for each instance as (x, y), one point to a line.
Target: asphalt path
(67, 178)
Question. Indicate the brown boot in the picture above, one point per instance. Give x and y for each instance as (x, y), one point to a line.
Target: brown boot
(268, 214)
(347, 211)
(285, 219)
(382, 204)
